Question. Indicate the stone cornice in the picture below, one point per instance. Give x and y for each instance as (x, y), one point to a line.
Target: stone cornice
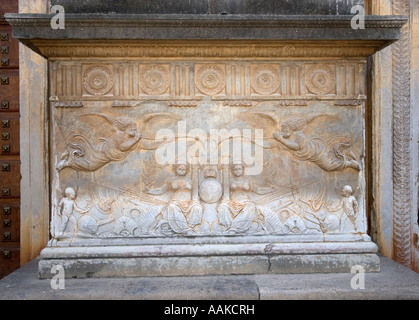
(197, 20)
(111, 30)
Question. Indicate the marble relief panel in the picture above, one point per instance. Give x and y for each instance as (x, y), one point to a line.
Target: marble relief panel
(207, 148)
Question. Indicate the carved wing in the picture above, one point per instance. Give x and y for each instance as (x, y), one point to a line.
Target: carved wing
(268, 122)
(155, 120)
(262, 120)
(150, 124)
(318, 115)
(101, 115)
(357, 193)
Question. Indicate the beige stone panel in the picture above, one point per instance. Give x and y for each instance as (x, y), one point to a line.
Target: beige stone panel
(34, 146)
(119, 190)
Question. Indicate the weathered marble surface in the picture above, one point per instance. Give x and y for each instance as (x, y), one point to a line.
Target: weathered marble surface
(178, 148)
(208, 259)
(218, 166)
(291, 112)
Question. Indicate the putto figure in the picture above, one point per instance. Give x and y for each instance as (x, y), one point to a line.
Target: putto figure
(85, 155)
(66, 208)
(350, 205)
(333, 154)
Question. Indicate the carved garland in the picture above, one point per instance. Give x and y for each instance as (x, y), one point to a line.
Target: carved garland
(402, 206)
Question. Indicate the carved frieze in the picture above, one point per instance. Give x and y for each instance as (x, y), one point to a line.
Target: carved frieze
(238, 82)
(207, 148)
(207, 49)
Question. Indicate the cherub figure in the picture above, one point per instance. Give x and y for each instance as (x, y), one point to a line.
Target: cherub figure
(334, 154)
(86, 154)
(349, 205)
(66, 208)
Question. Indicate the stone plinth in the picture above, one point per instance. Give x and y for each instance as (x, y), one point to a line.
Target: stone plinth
(210, 259)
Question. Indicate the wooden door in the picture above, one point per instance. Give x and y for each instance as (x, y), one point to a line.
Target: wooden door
(9, 145)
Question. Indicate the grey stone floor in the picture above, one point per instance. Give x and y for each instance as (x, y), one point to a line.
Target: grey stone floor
(392, 283)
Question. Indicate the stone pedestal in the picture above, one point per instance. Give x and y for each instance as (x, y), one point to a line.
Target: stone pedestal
(258, 255)
(209, 145)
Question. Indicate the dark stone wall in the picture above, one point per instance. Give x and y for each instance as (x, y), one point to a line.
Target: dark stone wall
(278, 7)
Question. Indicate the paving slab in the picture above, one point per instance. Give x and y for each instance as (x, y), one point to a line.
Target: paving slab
(392, 282)
(25, 284)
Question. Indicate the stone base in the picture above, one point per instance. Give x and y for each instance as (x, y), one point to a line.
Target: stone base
(209, 259)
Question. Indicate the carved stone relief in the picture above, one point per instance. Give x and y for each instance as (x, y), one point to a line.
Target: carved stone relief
(239, 83)
(210, 79)
(265, 79)
(97, 80)
(182, 149)
(154, 79)
(402, 161)
(320, 79)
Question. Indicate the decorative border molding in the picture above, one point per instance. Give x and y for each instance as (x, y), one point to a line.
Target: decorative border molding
(122, 103)
(184, 104)
(67, 104)
(65, 49)
(353, 102)
(402, 202)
